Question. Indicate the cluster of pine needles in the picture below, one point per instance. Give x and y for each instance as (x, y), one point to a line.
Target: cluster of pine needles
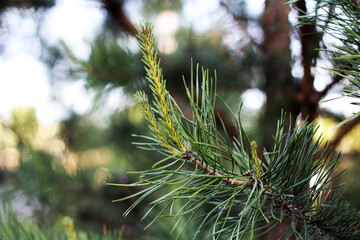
(219, 182)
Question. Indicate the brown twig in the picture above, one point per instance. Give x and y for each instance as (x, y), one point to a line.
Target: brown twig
(341, 133)
(336, 79)
(116, 10)
(287, 206)
(343, 130)
(213, 172)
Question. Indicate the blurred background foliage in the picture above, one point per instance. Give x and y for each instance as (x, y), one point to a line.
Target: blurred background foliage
(51, 171)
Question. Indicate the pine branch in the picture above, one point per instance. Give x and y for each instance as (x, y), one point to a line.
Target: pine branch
(162, 102)
(344, 130)
(238, 189)
(116, 9)
(335, 80)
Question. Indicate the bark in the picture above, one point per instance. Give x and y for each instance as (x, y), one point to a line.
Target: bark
(309, 38)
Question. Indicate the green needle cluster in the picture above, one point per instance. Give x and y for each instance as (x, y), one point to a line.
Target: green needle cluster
(219, 183)
(162, 100)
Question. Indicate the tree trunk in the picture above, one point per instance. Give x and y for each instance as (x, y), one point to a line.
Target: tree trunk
(308, 96)
(279, 86)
